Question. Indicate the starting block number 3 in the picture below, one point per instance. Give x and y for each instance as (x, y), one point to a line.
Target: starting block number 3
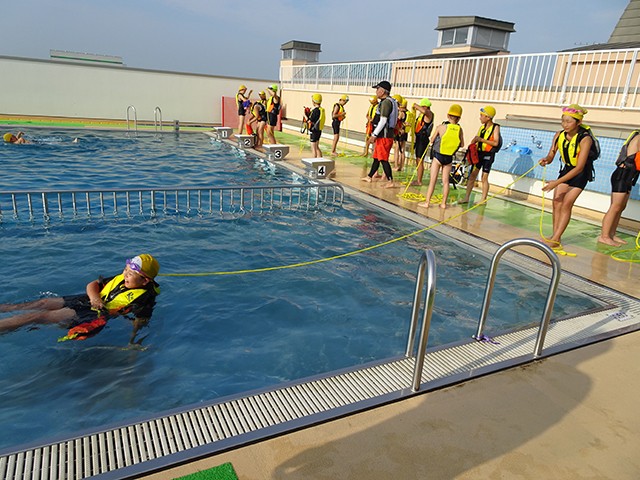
(277, 154)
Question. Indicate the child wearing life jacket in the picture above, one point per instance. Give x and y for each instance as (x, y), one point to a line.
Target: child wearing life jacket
(422, 128)
(623, 179)
(371, 113)
(315, 123)
(446, 141)
(488, 143)
(241, 101)
(574, 145)
(273, 109)
(400, 134)
(131, 293)
(338, 114)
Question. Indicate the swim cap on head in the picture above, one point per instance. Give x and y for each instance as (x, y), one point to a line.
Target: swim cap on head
(273, 87)
(404, 102)
(262, 94)
(317, 98)
(373, 99)
(489, 111)
(241, 87)
(574, 110)
(455, 110)
(345, 98)
(425, 102)
(144, 264)
(7, 137)
(398, 98)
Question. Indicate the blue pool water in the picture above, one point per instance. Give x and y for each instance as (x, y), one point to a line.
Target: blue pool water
(213, 336)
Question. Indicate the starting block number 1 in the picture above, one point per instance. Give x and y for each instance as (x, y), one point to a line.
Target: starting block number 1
(224, 134)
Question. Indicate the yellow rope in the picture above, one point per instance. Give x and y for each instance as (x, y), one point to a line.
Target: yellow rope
(634, 252)
(415, 197)
(558, 249)
(355, 252)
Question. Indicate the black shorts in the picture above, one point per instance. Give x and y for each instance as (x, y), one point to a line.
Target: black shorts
(443, 159)
(272, 119)
(420, 147)
(241, 111)
(82, 306)
(335, 124)
(314, 135)
(486, 161)
(579, 181)
(623, 179)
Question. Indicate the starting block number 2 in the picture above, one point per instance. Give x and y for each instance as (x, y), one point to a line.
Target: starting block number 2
(247, 142)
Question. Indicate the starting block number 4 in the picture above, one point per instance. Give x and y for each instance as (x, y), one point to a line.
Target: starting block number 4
(322, 170)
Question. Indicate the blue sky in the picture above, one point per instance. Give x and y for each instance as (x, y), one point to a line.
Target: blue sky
(243, 38)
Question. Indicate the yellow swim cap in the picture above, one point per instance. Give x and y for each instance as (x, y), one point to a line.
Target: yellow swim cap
(455, 110)
(317, 98)
(145, 265)
(574, 110)
(373, 99)
(345, 98)
(398, 98)
(425, 102)
(241, 87)
(262, 94)
(7, 137)
(489, 111)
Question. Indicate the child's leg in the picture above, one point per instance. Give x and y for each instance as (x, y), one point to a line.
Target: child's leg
(569, 196)
(433, 178)
(446, 171)
(42, 316)
(52, 303)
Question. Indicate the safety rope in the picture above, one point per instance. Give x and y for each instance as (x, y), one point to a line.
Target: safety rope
(354, 252)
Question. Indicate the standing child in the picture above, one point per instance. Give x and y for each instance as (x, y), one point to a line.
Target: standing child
(574, 143)
(623, 178)
(422, 128)
(488, 143)
(241, 100)
(338, 114)
(400, 134)
(273, 109)
(315, 122)
(446, 141)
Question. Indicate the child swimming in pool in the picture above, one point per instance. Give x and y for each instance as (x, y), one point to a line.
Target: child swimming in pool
(17, 139)
(133, 292)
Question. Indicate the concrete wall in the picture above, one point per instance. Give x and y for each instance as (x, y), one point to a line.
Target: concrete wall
(63, 89)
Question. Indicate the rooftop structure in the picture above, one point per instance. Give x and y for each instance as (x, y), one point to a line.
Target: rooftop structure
(628, 27)
(295, 52)
(472, 34)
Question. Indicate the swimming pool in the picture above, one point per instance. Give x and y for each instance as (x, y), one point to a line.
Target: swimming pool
(213, 336)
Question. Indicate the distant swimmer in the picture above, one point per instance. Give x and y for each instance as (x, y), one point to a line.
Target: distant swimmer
(17, 139)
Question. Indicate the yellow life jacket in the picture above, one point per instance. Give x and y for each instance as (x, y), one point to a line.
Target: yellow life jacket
(570, 149)
(341, 112)
(450, 141)
(409, 121)
(321, 120)
(372, 111)
(272, 106)
(117, 298)
(487, 134)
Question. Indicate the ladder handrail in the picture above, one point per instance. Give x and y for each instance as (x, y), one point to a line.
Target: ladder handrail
(135, 118)
(428, 264)
(551, 293)
(157, 112)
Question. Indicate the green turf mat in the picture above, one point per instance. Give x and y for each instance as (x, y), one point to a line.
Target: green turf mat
(221, 472)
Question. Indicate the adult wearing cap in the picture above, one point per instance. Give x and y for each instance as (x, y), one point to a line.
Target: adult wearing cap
(383, 132)
(131, 293)
(273, 108)
(17, 139)
(488, 143)
(423, 127)
(243, 101)
(573, 143)
(371, 113)
(338, 114)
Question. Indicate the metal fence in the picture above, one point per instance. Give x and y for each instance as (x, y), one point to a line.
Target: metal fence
(171, 200)
(599, 78)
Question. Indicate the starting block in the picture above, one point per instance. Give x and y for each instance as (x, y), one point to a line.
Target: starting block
(276, 151)
(319, 167)
(246, 141)
(223, 132)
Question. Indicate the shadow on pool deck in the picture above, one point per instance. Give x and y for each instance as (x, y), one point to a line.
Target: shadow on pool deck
(568, 416)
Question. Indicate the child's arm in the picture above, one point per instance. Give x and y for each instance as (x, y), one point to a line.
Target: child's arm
(552, 151)
(93, 291)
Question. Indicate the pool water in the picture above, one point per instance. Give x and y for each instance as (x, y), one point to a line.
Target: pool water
(218, 335)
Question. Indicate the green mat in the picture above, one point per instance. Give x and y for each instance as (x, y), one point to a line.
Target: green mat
(221, 472)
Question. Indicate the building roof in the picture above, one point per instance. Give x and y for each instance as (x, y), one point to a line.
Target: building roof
(298, 45)
(628, 27)
(445, 23)
(434, 56)
(605, 46)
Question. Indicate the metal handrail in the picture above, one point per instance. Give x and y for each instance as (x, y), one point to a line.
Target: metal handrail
(428, 264)
(551, 293)
(135, 118)
(157, 119)
(169, 199)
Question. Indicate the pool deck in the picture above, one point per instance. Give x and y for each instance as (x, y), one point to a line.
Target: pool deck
(573, 415)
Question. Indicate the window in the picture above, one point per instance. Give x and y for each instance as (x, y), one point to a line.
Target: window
(487, 37)
(455, 36)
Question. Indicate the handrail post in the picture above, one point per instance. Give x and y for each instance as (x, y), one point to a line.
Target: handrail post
(157, 118)
(135, 118)
(428, 264)
(551, 293)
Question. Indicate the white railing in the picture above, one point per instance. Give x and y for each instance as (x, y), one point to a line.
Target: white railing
(599, 78)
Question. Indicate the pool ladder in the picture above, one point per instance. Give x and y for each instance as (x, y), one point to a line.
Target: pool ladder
(157, 119)
(428, 265)
(135, 119)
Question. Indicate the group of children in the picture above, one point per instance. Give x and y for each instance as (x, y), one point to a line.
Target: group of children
(260, 117)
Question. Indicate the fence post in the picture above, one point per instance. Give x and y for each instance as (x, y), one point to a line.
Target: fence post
(625, 93)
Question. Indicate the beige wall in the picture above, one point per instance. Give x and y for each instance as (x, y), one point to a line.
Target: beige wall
(56, 88)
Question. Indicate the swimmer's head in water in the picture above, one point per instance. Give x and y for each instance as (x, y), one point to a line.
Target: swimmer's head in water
(9, 137)
(145, 265)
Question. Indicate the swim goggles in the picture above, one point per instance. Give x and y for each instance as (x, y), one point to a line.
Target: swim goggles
(133, 264)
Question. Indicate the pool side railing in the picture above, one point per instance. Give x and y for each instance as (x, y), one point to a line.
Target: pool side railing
(167, 200)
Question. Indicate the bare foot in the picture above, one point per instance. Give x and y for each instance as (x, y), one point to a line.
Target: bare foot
(619, 240)
(608, 241)
(552, 243)
(390, 184)
(424, 204)
(460, 202)
(416, 183)
(443, 206)
(366, 179)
